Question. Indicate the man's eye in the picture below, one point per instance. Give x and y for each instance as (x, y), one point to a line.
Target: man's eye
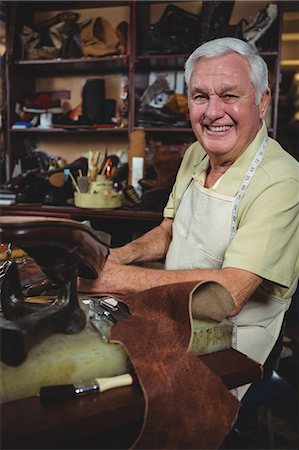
(199, 97)
(229, 97)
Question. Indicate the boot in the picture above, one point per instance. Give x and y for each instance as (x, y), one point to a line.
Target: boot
(176, 32)
(257, 26)
(180, 23)
(215, 16)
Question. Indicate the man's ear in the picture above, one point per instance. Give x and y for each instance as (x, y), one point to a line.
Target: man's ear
(264, 103)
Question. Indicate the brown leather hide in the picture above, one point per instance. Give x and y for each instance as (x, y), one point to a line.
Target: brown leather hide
(187, 406)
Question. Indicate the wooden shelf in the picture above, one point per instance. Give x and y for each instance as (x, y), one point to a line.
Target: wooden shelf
(22, 75)
(74, 66)
(69, 131)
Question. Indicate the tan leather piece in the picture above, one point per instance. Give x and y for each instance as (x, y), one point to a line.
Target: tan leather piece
(187, 406)
(99, 38)
(211, 301)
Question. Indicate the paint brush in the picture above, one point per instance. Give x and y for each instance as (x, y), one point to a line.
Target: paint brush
(54, 394)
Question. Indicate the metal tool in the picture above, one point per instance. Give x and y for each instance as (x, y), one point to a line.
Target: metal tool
(104, 311)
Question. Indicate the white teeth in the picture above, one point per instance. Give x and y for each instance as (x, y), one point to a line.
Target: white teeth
(223, 128)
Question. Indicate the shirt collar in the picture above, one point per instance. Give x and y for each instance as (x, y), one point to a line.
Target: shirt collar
(232, 178)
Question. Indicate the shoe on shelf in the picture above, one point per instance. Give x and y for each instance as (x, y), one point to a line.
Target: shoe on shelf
(31, 46)
(176, 32)
(50, 39)
(178, 103)
(160, 117)
(158, 93)
(42, 103)
(157, 43)
(122, 31)
(99, 38)
(257, 26)
(66, 121)
(215, 18)
(30, 39)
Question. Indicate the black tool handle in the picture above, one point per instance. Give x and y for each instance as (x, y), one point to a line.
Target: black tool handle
(57, 393)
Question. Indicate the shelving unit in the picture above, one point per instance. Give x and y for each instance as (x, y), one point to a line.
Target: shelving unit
(24, 77)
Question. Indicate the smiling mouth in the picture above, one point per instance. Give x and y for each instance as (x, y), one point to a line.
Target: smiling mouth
(218, 129)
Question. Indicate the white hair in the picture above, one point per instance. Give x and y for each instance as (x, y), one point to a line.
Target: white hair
(221, 46)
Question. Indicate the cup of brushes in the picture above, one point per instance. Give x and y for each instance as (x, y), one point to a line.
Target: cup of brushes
(95, 191)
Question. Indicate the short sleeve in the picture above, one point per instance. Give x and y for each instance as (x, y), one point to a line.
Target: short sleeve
(267, 239)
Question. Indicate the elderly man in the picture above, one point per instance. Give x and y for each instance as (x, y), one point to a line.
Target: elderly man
(232, 215)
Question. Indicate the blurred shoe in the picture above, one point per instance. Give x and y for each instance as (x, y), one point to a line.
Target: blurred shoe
(157, 93)
(177, 31)
(122, 31)
(43, 53)
(176, 21)
(30, 39)
(178, 103)
(157, 43)
(215, 16)
(42, 103)
(257, 26)
(99, 38)
(32, 47)
(159, 117)
(66, 121)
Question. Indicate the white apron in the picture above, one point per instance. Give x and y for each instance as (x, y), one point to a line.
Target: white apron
(202, 229)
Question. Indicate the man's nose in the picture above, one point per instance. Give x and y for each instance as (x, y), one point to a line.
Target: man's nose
(215, 108)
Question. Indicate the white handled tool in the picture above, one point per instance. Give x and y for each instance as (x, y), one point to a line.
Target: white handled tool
(53, 394)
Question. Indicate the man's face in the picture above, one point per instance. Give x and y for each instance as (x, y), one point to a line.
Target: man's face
(223, 110)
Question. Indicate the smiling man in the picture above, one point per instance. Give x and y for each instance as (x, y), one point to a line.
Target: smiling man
(232, 215)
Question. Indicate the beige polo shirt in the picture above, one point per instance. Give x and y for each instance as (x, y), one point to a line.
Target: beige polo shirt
(267, 238)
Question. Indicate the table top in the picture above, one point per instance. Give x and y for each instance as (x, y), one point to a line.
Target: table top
(73, 212)
(27, 423)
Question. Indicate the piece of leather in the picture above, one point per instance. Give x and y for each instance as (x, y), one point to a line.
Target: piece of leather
(99, 38)
(211, 301)
(187, 405)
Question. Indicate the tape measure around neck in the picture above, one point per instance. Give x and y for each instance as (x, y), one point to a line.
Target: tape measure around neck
(243, 186)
